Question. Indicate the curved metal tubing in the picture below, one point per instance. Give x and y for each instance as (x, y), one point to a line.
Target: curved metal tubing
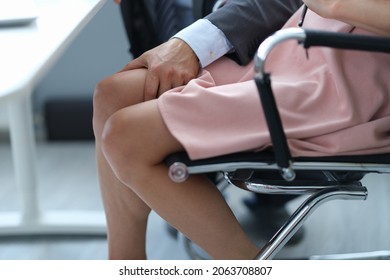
(279, 189)
(374, 255)
(269, 43)
(351, 192)
(274, 189)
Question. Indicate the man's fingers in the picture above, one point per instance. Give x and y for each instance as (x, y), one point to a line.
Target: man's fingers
(163, 87)
(178, 81)
(134, 64)
(152, 84)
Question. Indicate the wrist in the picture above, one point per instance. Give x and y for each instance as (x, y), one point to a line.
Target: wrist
(185, 49)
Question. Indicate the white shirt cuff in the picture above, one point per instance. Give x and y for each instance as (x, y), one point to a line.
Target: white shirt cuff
(206, 40)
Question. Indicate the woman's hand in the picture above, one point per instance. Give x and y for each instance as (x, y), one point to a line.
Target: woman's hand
(324, 8)
(372, 15)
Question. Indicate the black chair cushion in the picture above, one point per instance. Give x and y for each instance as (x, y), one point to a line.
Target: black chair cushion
(268, 157)
(272, 176)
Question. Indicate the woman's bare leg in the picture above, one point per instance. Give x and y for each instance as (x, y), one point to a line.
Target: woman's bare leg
(135, 143)
(126, 214)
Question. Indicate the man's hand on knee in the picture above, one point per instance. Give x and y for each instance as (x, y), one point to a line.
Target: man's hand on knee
(169, 65)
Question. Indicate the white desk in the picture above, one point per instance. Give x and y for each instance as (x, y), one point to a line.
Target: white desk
(26, 55)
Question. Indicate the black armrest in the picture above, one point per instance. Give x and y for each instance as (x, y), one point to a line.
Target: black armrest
(308, 38)
(346, 41)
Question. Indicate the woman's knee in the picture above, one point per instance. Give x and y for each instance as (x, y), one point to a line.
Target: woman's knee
(116, 92)
(117, 146)
(107, 96)
(135, 139)
(102, 99)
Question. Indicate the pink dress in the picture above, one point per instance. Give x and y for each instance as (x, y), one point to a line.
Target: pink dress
(336, 102)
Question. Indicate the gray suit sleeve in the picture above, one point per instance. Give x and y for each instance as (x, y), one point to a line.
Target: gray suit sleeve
(246, 23)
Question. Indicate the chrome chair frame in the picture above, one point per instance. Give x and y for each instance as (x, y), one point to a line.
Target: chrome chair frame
(240, 169)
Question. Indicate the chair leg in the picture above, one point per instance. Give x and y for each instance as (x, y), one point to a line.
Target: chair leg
(374, 255)
(351, 192)
(348, 192)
